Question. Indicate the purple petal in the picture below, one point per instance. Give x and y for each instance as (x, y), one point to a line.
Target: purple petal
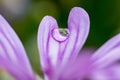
(48, 47)
(78, 25)
(89, 51)
(12, 54)
(77, 69)
(53, 45)
(109, 73)
(108, 53)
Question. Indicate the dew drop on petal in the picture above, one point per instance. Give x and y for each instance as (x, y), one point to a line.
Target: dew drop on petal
(60, 35)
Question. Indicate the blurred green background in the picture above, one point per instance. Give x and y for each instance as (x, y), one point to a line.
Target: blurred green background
(25, 16)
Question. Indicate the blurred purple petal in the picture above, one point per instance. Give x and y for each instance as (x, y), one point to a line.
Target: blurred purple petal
(109, 73)
(89, 51)
(109, 52)
(12, 54)
(74, 69)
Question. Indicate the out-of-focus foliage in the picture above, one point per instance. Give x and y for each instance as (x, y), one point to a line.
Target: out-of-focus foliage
(25, 16)
(31, 47)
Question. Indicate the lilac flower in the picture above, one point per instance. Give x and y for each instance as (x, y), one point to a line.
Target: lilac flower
(60, 52)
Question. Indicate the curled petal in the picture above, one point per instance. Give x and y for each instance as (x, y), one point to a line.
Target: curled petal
(12, 54)
(48, 47)
(108, 53)
(78, 26)
(56, 48)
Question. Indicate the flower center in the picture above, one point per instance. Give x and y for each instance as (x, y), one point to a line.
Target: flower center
(60, 34)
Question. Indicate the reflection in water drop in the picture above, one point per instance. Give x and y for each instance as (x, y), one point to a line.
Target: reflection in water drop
(63, 32)
(60, 35)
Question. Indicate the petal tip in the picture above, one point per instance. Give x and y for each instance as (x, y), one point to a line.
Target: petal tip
(47, 18)
(79, 10)
(77, 14)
